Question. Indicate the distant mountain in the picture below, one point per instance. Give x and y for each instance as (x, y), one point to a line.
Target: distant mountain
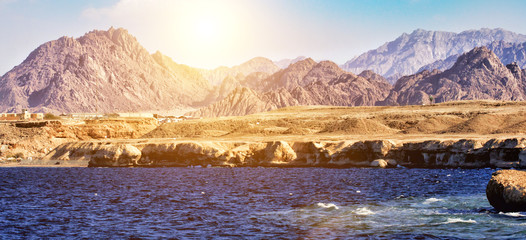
(303, 83)
(284, 63)
(409, 52)
(258, 64)
(507, 53)
(510, 52)
(102, 71)
(477, 74)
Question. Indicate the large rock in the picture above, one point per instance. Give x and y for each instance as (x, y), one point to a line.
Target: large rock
(506, 190)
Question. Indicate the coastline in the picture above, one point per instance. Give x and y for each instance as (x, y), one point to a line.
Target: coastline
(479, 152)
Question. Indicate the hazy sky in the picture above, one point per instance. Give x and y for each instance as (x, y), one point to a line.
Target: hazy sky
(209, 33)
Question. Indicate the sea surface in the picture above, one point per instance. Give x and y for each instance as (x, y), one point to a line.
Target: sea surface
(250, 203)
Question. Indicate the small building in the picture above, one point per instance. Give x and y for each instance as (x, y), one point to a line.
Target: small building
(25, 115)
(9, 117)
(37, 116)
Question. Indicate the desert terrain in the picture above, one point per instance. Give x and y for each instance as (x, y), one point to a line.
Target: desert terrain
(451, 120)
(285, 136)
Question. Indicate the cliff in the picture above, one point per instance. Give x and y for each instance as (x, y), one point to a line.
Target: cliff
(464, 153)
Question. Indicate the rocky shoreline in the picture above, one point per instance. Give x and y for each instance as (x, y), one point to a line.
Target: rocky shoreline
(463, 153)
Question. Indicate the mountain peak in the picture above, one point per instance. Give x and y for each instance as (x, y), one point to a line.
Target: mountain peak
(479, 57)
(102, 71)
(305, 63)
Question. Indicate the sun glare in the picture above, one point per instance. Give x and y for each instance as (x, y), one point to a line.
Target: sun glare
(206, 29)
(210, 31)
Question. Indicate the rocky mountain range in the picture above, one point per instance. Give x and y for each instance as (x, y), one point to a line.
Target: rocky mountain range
(409, 52)
(477, 74)
(109, 71)
(303, 83)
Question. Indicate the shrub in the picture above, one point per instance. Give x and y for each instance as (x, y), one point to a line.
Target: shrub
(51, 116)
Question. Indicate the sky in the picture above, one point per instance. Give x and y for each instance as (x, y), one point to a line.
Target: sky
(212, 33)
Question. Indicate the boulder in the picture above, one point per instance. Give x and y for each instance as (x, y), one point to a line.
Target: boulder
(506, 190)
(380, 163)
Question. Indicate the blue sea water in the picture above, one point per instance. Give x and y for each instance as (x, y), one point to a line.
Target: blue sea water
(253, 203)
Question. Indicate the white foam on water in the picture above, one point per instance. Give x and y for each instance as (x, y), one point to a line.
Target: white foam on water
(327, 205)
(432, 200)
(363, 211)
(512, 214)
(459, 220)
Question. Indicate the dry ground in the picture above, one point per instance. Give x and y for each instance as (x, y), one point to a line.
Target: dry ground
(452, 120)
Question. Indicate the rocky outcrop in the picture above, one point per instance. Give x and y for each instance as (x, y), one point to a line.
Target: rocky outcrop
(409, 52)
(501, 153)
(506, 191)
(102, 71)
(477, 74)
(115, 156)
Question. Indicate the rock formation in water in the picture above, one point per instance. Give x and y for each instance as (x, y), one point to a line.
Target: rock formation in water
(506, 190)
(102, 71)
(303, 83)
(477, 74)
(409, 52)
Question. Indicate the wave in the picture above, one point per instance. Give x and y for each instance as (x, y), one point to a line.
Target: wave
(364, 211)
(327, 205)
(432, 200)
(459, 220)
(512, 214)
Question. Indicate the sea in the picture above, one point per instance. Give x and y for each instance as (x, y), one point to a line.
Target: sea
(251, 203)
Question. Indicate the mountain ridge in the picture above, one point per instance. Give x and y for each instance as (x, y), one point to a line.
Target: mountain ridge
(477, 74)
(409, 52)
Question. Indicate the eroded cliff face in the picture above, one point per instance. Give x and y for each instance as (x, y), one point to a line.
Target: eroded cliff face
(465, 153)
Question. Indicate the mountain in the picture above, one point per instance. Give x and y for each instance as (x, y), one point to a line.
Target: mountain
(257, 64)
(477, 74)
(102, 71)
(303, 83)
(409, 52)
(284, 63)
(507, 52)
(510, 52)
